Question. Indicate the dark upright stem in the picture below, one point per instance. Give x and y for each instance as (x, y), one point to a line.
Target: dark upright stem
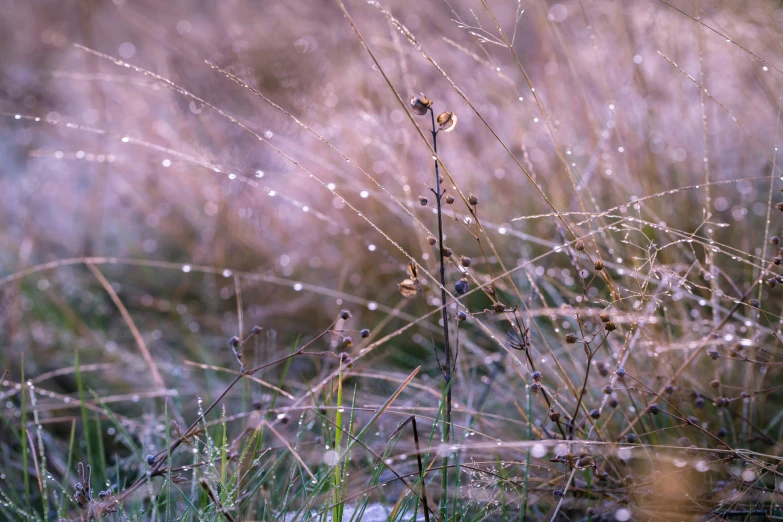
(445, 315)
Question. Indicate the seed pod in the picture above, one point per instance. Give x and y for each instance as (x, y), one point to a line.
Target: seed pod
(257, 329)
(473, 200)
(599, 265)
(596, 414)
(423, 201)
(535, 388)
(536, 376)
(610, 326)
(713, 354)
(570, 338)
(669, 389)
(620, 373)
(465, 261)
(431, 240)
(558, 493)
(447, 121)
(715, 383)
(499, 307)
(779, 206)
(234, 342)
(699, 402)
(613, 403)
(653, 408)
(631, 438)
(605, 317)
(420, 104)
(447, 252)
(150, 460)
(608, 389)
(775, 240)
(554, 416)
(345, 314)
(461, 287)
(365, 333)
(461, 316)
(580, 245)
(721, 433)
(771, 282)
(407, 287)
(777, 260)
(449, 199)
(754, 303)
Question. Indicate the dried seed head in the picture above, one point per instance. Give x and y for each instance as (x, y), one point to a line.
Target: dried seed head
(772, 283)
(653, 408)
(449, 199)
(257, 329)
(447, 121)
(150, 460)
(715, 383)
(721, 402)
(499, 308)
(423, 201)
(699, 402)
(347, 341)
(777, 260)
(721, 433)
(461, 286)
(779, 206)
(431, 240)
(473, 200)
(754, 303)
(345, 314)
(536, 376)
(613, 403)
(620, 373)
(570, 338)
(558, 493)
(610, 326)
(596, 414)
(713, 353)
(631, 438)
(420, 104)
(669, 389)
(465, 261)
(461, 316)
(599, 265)
(407, 287)
(605, 317)
(775, 240)
(234, 342)
(693, 420)
(365, 333)
(447, 252)
(535, 388)
(580, 245)
(608, 389)
(554, 416)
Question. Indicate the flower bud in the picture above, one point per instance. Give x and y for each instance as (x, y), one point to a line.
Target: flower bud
(473, 200)
(599, 265)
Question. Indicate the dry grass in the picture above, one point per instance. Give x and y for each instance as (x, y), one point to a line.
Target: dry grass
(177, 173)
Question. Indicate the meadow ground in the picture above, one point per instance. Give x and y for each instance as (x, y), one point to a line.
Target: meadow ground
(434, 260)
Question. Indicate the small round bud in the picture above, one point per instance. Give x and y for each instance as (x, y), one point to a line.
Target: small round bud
(449, 199)
(420, 104)
(558, 493)
(653, 408)
(596, 414)
(669, 389)
(608, 389)
(693, 420)
(715, 383)
(721, 402)
(461, 286)
(365, 333)
(347, 341)
(775, 240)
(772, 282)
(554, 416)
(613, 403)
(713, 353)
(605, 317)
(721, 433)
(699, 402)
(423, 201)
(284, 419)
(590, 511)
(499, 308)
(570, 338)
(754, 303)
(599, 265)
(579, 245)
(257, 329)
(150, 460)
(473, 200)
(536, 376)
(620, 372)
(461, 316)
(631, 437)
(779, 206)
(447, 121)
(447, 252)
(431, 240)
(465, 261)
(535, 388)
(234, 341)
(345, 314)
(610, 326)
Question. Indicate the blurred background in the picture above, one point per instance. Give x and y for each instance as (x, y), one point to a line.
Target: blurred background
(189, 215)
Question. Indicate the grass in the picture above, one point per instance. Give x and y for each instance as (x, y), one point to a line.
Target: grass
(564, 307)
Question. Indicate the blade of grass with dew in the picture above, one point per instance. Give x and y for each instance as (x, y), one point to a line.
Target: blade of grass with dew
(347, 459)
(338, 419)
(523, 513)
(23, 437)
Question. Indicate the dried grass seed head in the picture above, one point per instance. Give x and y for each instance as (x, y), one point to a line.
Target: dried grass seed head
(420, 104)
(447, 121)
